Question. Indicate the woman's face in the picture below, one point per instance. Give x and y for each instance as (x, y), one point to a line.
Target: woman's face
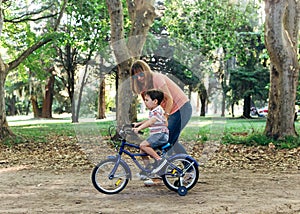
(139, 75)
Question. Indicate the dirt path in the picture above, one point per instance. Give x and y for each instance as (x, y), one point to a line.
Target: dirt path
(236, 191)
(233, 179)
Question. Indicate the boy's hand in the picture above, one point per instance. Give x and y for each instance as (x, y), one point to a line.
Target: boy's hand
(134, 125)
(135, 130)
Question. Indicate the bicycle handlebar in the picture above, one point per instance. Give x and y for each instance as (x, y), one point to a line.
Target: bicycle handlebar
(125, 129)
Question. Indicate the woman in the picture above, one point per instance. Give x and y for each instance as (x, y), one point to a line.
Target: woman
(176, 104)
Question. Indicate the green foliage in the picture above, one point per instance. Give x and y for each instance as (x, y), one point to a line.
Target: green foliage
(257, 139)
(251, 81)
(208, 25)
(87, 26)
(250, 132)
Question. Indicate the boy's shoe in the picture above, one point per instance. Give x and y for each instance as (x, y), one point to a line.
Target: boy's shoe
(142, 176)
(149, 182)
(160, 165)
(153, 182)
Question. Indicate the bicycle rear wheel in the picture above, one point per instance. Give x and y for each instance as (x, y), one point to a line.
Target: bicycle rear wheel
(101, 177)
(173, 177)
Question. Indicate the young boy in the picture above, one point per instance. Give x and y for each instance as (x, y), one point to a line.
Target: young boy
(157, 123)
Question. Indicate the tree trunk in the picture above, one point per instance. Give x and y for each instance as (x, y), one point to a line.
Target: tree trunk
(247, 106)
(198, 102)
(223, 103)
(5, 68)
(37, 112)
(125, 96)
(133, 109)
(281, 36)
(101, 100)
(4, 129)
(202, 110)
(48, 99)
(202, 95)
(141, 14)
(12, 106)
(232, 109)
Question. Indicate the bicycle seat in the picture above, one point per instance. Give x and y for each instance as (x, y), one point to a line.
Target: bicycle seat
(166, 146)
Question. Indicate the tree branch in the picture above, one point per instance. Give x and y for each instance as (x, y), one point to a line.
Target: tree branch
(15, 21)
(25, 16)
(12, 65)
(143, 19)
(15, 63)
(117, 30)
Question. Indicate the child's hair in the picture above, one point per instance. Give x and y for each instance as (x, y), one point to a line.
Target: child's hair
(155, 94)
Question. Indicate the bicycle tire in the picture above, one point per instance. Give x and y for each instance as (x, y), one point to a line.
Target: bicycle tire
(170, 176)
(101, 180)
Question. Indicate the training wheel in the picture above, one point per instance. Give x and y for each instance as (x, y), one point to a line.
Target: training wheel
(182, 191)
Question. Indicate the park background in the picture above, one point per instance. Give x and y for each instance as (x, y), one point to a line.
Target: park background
(64, 71)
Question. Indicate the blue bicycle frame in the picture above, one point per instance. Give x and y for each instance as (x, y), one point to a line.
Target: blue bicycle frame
(118, 159)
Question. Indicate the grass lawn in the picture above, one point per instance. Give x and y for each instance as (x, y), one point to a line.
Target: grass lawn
(200, 129)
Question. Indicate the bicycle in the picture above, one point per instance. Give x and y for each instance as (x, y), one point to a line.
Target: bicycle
(111, 176)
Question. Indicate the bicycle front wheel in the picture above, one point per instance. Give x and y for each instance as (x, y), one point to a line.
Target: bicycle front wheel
(174, 177)
(106, 183)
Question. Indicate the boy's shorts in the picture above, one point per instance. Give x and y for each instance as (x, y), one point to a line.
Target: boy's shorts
(158, 140)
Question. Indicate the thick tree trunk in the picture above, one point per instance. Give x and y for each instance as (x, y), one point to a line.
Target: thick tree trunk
(247, 106)
(281, 35)
(124, 94)
(141, 15)
(133, 109)
(4, 129)
(48, 99)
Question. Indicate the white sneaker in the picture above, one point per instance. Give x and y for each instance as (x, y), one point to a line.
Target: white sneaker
(161, 164)
(153, 182)
(149, 182)
(141, 176)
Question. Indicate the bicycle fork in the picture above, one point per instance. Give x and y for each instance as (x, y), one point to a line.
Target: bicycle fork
(119, 161)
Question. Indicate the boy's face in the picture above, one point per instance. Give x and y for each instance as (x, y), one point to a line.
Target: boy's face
(150, 104)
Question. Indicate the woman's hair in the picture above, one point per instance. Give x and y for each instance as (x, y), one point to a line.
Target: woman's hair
(141, 66)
